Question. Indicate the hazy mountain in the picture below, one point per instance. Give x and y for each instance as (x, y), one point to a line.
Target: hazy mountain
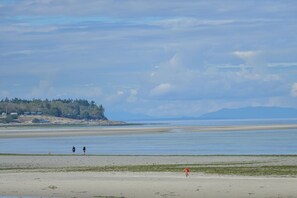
(240, 113)
(252, 113)
(126, 116)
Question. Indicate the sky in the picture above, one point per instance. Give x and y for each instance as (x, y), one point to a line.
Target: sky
(161, 58)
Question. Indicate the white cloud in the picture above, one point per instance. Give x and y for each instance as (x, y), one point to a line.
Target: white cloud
(246, 54)
(20, 52)
(27, 28)
(162, 89)
(133, 96)
(294, 90)
(187, 83)
(129, 8)
(133, 92)
(254, 60)
(187, 22)
(282, 64)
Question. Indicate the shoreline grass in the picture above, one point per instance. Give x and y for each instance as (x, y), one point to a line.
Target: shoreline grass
(261, 165)
(284, 170)
(226, 169)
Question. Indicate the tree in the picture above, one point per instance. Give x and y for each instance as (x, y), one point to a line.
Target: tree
(86, 115)
(35, 120)
(56, 112)
(77, 109)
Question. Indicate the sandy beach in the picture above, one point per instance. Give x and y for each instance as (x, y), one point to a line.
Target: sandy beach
(128, 184)
(41, 176)
(137, 176)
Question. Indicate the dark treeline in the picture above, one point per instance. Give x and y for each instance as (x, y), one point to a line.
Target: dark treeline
(69, 108)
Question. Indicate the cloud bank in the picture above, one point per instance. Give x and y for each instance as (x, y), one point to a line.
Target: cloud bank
(159, 58)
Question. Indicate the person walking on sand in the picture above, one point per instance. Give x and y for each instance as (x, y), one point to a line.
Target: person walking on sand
(84, 149)
(187, 171)
(73, 149)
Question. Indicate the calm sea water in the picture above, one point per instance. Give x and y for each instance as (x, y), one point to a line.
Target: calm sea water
(171, 143)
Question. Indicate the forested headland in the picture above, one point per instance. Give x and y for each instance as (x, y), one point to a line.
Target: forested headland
(67, 108)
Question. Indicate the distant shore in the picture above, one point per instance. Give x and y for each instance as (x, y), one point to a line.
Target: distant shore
(46, 120)
(23, 132)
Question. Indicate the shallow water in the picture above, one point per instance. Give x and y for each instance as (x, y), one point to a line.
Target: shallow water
(171, 143)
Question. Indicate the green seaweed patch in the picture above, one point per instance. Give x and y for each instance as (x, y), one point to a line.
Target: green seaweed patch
(283, 170)
(243, 169)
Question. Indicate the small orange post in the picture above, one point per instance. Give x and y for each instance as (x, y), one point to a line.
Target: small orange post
(187, 171)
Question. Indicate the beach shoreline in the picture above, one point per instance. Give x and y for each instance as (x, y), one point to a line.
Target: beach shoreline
(73, 175)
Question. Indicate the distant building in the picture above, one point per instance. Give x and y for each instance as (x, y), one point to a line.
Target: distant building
(33, 113)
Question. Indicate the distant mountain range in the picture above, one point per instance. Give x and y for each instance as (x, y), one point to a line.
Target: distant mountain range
(127, 116)
(240, 113)
(252, 113)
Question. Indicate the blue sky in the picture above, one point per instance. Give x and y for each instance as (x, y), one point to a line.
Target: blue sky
(159, 58)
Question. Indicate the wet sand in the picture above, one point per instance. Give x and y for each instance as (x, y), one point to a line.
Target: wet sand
(60, 161)
(95, 131)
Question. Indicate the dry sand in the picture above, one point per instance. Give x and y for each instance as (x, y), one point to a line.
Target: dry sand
(135, 184)
(128, 184)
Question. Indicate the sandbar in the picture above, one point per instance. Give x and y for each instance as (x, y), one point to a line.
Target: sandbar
(97, 131)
